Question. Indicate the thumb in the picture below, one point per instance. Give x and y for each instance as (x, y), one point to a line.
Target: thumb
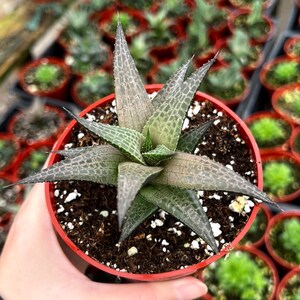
(187, 288)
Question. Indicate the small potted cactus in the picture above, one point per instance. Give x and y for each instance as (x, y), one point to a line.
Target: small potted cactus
(292, 47)
(153, 148)
(280, 71)
(248, 4)
(282, 239)
(281, 176)
(289, 286)
(255, 236)
(270, 130)
(92, 87)
(47, 77)
(9, 152)
(259, 27)
(227, 84)
(37, 123)
(246, 274)
(286, 102)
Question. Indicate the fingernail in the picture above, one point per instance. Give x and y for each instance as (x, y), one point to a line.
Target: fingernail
(187, 289)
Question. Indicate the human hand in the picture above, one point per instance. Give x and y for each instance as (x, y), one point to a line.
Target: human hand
(33, 266)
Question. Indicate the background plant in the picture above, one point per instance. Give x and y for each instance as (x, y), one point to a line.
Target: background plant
(7, 152)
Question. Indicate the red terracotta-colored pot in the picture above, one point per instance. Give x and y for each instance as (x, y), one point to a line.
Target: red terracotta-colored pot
(104, 18)
(277, 95)
(295, 134)
(267, 66)
(8, 169)
(275, 220)
(266, 259)
(237, 99)
(247, 70)
(279, 156)
(58, 92)
(289, 44)
(266, 211)
(236, 5)
(6, 217)
(285, 280)
(50, 139)
(49, 189)
(260, 40)
(222, 29)
(269, 114)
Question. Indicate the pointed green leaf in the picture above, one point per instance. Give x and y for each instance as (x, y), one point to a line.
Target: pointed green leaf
(137, 213)
(148, 143)
(131, 177)
(171, 85)
(179, 204)
(73, 151)
(189, 141)
(99, 164)
(126, 140)
(157, 155)
(201, 173)
(133, 104)
(166, 122)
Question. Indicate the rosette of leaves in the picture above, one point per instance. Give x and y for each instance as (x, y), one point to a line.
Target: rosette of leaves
(127, 21)
(139, 5)
(87, 54)
(289, 104)
(269, 132)
(240, 276)
(94, 86)
(175, 8)
(280, 177)
(44, 77)
(147, 158)
(239, 48)
(283, 72)
(225, 83)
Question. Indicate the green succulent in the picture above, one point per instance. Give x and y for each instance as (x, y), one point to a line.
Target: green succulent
(33, 163)
(95, 86)
(139, 5)
(237, 277)
(290, 239)
(289, 103)
(291, 291)
(198, 40)
(77, 22)
(295, 49)
(46, 73)
(175, 8)
(147, 158)
(278, 177)
(269, 131)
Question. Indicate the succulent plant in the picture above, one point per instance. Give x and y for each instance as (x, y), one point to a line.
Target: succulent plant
(239, 276)
(289, 103)
(175, 8)
(291, 290)
(140, 5)
(124, 18)
(147, 159)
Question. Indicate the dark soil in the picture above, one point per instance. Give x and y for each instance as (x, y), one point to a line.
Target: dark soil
(91, 222)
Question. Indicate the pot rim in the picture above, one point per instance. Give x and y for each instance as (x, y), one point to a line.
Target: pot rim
(171, 274)
(285, 280)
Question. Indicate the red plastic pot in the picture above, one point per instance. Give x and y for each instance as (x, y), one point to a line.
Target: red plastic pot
(295, 135)
(247, 70)
(266, 211)
(285, 280)
(266, 259)
(281, 156)
(51, 139)
(49, 189)
(10, 166)
(105, 16)
(58, 92)
(289, 44)
(275, 220)
(269, 114)
(276, 97)
(222, 29)
(267, 66)
(260, 40)
(235, 4)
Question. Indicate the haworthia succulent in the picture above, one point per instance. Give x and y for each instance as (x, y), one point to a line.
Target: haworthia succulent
(137, 213)
(148, 143)
(131, 177)
(126, 140)
(201, 173)
(157, 155)
(133, 104)
(99, 165)
(73, 151)
(189, 141)
(166, 122)
(177, 202)
(171, 85)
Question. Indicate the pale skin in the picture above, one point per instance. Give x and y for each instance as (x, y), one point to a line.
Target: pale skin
(33, 266)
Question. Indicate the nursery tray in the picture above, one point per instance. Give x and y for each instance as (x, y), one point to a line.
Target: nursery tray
(293, 21)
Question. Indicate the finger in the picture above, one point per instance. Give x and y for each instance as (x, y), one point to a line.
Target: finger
(180, 289)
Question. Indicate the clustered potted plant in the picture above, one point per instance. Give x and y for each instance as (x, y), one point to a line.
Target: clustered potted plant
(149, 152)
(292, 47)
(289, 286)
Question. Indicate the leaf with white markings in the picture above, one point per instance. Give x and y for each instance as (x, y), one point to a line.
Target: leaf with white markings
(157, 155)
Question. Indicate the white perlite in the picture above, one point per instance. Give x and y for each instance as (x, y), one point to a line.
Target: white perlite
(80, 135)
(132, 251)
(159, 222)
(72, 196)
(104, 213)
(195, 245)
(237, 205)
(70, 226)
(216, 229)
